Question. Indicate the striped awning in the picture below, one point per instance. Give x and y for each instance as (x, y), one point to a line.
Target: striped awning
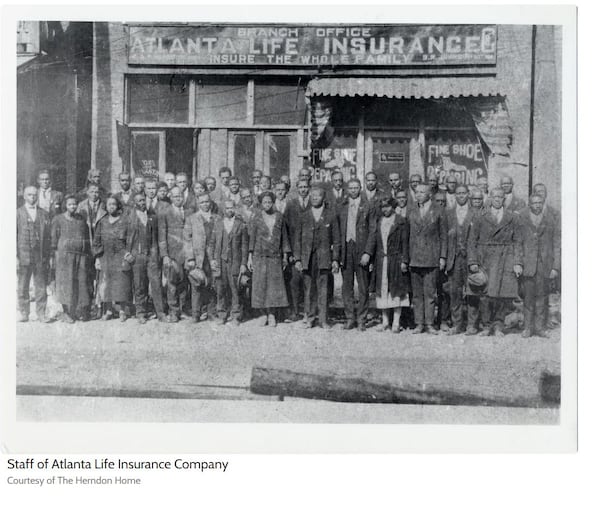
(407, 88)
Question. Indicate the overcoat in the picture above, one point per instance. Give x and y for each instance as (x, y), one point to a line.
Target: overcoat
(541, 245)
(71, 242)
(268, 287)
(497, 248)
(322, 236)
(111, 242)
(30, 234)
(397, 252)
(428, 236)
(366, 226)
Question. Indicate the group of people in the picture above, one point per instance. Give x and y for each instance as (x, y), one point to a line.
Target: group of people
(439, 257)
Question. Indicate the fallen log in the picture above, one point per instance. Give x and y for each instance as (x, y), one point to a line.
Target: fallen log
(285, 383)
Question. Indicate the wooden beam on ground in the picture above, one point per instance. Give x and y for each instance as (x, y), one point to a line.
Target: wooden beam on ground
(285, 383)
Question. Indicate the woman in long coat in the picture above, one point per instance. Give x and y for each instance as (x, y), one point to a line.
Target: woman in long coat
(113, 240)
(268, 249)
(71, 242)
(391, 264)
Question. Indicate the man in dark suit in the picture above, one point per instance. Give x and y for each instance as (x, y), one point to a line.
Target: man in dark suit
(358, 224)
(146, 268)
(540, 190)
(94, 177)
(295, 207)
(443, 297)
(372, 193)
(511, 202)
(337, 194)
(477, 200)
(428, 252)
(172, 252)
(316, 252)
(93, 209)
(459, 226)
(228, 255)
(48, 199)
(189, 200)
(413, 181)
(451, 182)
(33, 254)
(541, 263)
(395, 184)
(125, 194)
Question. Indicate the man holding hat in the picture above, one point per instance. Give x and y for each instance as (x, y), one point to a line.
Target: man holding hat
(495, 246)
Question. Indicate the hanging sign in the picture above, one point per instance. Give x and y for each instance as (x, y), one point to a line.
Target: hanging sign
(461, 155)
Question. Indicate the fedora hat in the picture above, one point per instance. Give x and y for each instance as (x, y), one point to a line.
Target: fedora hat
(477, 282)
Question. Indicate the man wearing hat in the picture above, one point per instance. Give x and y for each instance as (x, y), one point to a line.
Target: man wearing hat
(495, 246)
(228, 255)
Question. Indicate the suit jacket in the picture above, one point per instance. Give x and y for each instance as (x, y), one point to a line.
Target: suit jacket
(541, 245)
(366, 228)
(375, 201)
(145, 237)
(84, 209)
(333, 201)
(170, 235)
(196, 240)
(428, 236)
(190, 206)
(292, 216)
(458, 236)
(56, 198)
(129, 201)
(516, 204)
(33, 238)
(321, 236)
(229, 247)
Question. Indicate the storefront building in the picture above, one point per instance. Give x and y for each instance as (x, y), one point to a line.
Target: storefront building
(473, 100)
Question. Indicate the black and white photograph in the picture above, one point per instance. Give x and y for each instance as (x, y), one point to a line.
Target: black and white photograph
(296, 222)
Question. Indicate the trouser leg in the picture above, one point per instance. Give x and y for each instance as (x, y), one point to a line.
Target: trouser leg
(362, 308)
(485, 304)
(140, 284)
(348, 281)
(24, 277)
(153, 276)
(234, 292)
(416, 278)
(457, 278)
(443, 299)
(310, 288)
(323, 295)
(473, 312)
(297, 286)
(528, 287)
(429, 295)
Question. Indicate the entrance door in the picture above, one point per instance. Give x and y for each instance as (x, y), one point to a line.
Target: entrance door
(242, 155)
(388, 152)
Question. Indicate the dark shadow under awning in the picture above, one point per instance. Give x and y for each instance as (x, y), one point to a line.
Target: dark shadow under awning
(405, 88)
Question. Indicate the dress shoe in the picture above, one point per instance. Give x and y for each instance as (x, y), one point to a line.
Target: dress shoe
(396, 329)
(107, 316)
(173, 318)
(362, 326)
(444, 327)
(67, 318)
(195, 318)
(349, 325)
(46, 320)
(122, 316)
(326, 326)
(471, 331)
(453, 331)
(236, 322)
(22, 318)
(142, 319)
(294, 317)
(162, 317)
(497, 332)
(526, 333)
(432, 331)
(418, 330)
(543, 334)
(309, 323)
(204, 316)
(381, 328)
(486, 332)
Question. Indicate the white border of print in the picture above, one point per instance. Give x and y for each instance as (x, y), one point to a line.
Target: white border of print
(279, 438)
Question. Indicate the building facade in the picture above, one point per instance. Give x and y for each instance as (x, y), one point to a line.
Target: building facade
(473, 100)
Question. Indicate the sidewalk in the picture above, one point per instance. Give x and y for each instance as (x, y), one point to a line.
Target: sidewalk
(208, 361)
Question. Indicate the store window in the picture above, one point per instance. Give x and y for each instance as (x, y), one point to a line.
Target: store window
(278, 155)
(244, 156)
(340, 154)
(158, 99)
(457, 152)
(279, 103)
(219, 101)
